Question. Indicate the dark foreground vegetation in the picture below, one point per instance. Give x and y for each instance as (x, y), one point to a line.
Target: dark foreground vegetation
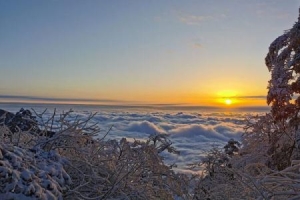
(59, 157)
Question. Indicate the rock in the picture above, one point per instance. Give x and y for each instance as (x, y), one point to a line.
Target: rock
(23, 121)
(5, 116)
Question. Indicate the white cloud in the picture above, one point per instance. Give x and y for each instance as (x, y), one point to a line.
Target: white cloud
(197, 45)
(197, 131)
(144, 127)
(193, 19)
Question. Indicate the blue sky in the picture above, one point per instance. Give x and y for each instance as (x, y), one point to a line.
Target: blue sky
(140, 51)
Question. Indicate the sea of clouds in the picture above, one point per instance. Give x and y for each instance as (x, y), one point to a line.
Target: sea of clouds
(192, 132)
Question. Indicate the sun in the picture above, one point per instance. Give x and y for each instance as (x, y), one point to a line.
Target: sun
(228, 101)
(227, 98)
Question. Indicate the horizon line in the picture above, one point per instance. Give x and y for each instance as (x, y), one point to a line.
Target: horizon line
(23, 99)
(186, 106)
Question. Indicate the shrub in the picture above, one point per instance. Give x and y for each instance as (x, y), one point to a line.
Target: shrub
(74, 164)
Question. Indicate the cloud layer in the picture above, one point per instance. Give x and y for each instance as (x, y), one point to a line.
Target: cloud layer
(191, 132)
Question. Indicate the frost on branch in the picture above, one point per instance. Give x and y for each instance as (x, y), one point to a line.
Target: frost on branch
(268, 141)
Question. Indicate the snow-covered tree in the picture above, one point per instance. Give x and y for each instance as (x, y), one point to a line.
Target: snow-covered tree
(283, 61)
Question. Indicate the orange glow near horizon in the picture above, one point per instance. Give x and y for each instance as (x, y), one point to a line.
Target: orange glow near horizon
(223, 98)
(207, 101)
(232, 98)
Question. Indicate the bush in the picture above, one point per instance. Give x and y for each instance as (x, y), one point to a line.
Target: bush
(73, 164)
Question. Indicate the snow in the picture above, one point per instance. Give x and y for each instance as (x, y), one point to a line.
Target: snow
(24, 174)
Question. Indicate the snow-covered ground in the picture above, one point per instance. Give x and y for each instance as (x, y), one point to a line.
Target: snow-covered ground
(192, 130)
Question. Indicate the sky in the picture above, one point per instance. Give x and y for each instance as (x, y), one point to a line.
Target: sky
(208, 53)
